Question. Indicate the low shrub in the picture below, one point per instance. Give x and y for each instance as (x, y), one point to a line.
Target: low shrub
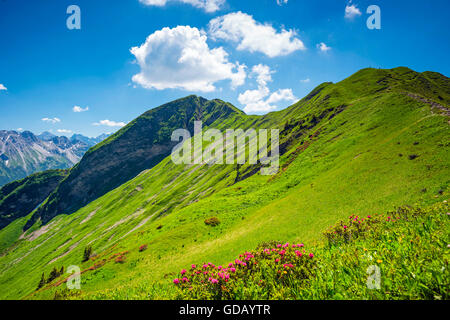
(353, 228)
(264, 272)
(121, 257)
(213, 221)
(87, 253)
(42, 282)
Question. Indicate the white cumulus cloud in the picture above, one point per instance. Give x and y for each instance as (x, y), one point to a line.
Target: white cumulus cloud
(281, 95)
(254, 36)
(261, 100)
(51, 120)
(207, 5)
(351, 11)
(2, 87)
(109, 123)
(180, 58)
(281, 2)
(79, 109)
(263, 74)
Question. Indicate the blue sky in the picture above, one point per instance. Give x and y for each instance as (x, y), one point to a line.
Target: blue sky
(259, 55)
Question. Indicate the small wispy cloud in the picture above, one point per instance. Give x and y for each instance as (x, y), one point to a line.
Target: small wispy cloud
(323, 47)
(51, 120)
(109, 123)
(207, 5)
(281, 2)
(351, 11)
(2, 87)
(307, 80)
(79, 109)
(64, 131)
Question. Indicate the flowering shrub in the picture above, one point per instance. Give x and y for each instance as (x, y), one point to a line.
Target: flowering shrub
(265, 271)
(353, 228)
(143, 247)
(356, 226)
(404, 244)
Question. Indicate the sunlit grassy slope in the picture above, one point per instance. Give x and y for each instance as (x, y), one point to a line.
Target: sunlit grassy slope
(400, 254)
(376, 140)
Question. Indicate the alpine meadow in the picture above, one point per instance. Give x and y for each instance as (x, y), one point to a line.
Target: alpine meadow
(366, 146)
(224, 158)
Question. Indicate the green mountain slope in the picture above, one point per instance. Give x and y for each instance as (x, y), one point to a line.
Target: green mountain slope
(138, 146)
(373, 141)
(19, 198)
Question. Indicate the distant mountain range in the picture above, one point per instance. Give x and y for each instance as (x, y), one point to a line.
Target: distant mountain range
(48, 136)
(24, 153)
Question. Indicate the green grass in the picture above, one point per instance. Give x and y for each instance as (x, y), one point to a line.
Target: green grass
(407, 247)
(342, 157)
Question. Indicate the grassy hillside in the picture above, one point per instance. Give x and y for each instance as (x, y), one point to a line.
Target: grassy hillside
(401, 254)
(140, 145)
(376, 140)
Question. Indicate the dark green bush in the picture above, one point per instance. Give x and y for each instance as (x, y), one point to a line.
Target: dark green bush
(87, 253)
